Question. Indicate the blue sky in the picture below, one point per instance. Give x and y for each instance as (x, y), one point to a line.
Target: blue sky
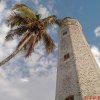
(35, 78)
(87, 12)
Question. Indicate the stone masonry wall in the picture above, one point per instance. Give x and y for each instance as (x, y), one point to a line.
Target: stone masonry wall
(78, 75)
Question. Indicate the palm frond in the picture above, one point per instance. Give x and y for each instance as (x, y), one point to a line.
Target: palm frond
(49, 20)
(25, 10)
(48, 42)
(16, 19)
(18, 31)
(30, 45)
(9, 35)
(23, 39)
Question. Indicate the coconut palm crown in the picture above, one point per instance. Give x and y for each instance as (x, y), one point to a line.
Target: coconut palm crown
(29, 26)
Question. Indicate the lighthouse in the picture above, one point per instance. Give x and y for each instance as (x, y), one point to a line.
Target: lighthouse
(78, 76)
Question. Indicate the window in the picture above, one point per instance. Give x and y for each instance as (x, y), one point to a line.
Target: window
(66, 56)
(65, 33)
(71, 97)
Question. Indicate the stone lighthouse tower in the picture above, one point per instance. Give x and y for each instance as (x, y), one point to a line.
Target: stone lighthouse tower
(78, 75)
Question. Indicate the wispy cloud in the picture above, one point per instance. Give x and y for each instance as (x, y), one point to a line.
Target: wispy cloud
(44, 10)
(96, 52)
(9, 89)
(2, 6)
(33, 78)
(41, 9)
(97, 31)
(31, 64)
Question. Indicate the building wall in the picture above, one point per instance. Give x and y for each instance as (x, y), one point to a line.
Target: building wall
(77, 75)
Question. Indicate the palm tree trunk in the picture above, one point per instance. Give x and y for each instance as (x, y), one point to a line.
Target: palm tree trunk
(9, 57)
(15, 52)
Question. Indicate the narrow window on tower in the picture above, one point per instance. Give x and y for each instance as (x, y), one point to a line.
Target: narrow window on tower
(65, 33)
(66, 56)
(71, 97)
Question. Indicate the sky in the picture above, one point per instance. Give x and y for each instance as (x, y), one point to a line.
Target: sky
(35, 78)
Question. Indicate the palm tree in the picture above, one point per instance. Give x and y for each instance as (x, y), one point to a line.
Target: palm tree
(31, 29)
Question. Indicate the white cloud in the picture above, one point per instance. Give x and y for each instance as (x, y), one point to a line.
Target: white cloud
(8, 89)
(96, 53)
(2, 6)
(4, 12)
(41, 9)
(18, 1)
(33, 78)
(5, 47)
(97, 31)
(50, 6)
(36, 2)
(4, 28)
(20, 86)
(44, 10)
(37, 87)
(26, 79)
